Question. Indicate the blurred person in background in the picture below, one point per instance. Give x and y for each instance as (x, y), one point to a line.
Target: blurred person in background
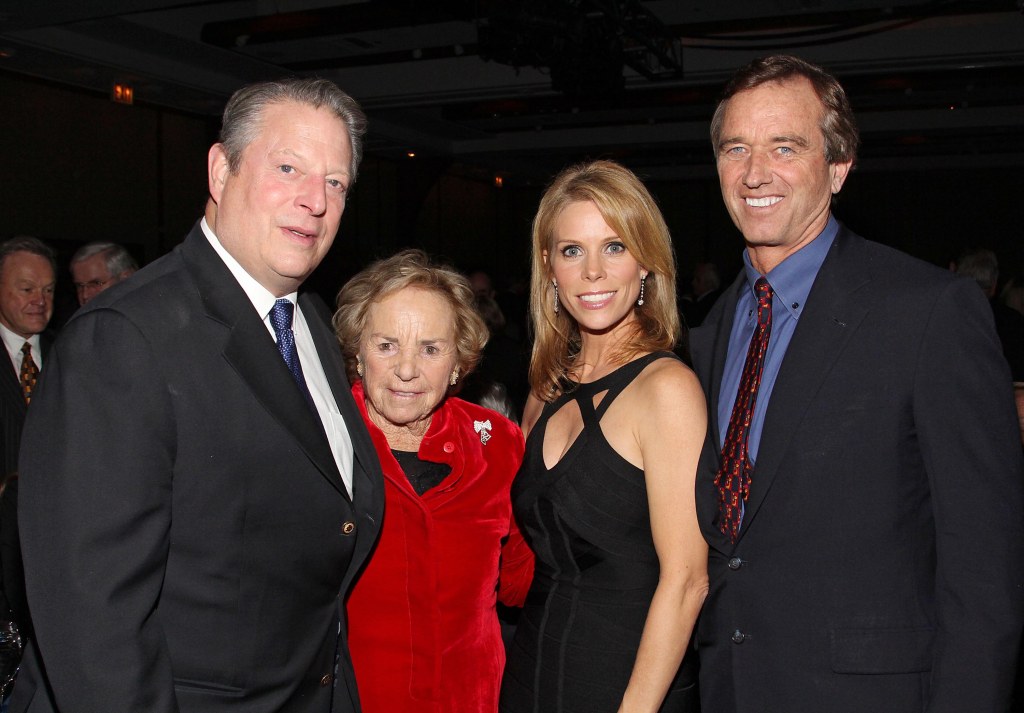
(97, 266)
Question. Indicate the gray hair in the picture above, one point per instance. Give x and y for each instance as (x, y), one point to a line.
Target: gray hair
(982, 265)
(27, 244)
(117, 258)
(243, 114)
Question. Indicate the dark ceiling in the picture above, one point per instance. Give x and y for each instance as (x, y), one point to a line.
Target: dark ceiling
(520, 87)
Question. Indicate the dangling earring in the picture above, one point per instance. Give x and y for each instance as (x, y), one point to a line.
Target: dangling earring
(640, 302)
(555, 285)
(455, 377)
(359, 368)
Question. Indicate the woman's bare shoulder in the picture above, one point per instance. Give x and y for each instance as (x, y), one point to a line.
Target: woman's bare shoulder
(667, 379)
(665, 397)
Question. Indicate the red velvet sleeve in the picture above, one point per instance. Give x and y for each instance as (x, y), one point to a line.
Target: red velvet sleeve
(516, 569)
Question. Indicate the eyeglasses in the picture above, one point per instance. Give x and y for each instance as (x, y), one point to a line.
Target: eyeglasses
(92, 285)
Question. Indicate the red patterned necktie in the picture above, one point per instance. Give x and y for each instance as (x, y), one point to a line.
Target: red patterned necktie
(733, 477)
(29, 372)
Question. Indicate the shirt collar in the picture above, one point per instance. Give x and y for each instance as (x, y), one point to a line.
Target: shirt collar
(792, 279)
(262, 298)
(13, 342)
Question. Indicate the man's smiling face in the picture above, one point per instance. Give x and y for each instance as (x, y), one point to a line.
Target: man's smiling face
(775, 181)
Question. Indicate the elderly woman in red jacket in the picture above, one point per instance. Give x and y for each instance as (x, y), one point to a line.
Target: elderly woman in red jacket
(423, 631)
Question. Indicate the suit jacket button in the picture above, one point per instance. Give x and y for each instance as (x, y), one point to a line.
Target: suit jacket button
(735, 563)
(448, 447)
(348, 528)
(326, 680)
(738, 637)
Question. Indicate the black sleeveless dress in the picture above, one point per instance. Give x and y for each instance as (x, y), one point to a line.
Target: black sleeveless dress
(588, 523)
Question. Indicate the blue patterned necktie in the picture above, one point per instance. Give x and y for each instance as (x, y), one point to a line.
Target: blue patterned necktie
(281, 321)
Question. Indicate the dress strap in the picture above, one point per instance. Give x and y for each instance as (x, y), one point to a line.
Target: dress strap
(614, 383)
(623, 377)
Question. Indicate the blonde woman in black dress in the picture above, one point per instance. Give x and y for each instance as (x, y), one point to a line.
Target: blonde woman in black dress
(605, 495)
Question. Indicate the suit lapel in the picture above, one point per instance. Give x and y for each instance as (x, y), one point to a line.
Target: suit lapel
(251, 352)
(709, 344)
(10, 385)
(365, 458)
(835, 307)
(367, 480)
(715, 338)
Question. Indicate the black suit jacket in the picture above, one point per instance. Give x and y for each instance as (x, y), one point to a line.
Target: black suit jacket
(187, 537)
(13, 601)
(879, 563)
(12, 420)
(12, 406)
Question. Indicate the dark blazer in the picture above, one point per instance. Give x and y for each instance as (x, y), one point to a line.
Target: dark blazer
(879, 564)
(13, 602)
(12, 420)
(187, 537)
(12, 405)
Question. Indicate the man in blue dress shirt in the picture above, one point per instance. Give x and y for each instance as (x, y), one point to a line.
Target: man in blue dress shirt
(870, 556)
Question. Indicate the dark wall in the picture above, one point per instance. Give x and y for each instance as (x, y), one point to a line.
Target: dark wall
(936, 213)
(931, 213)
(78, 167)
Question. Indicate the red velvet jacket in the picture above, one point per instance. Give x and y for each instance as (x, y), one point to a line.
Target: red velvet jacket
(423, 631)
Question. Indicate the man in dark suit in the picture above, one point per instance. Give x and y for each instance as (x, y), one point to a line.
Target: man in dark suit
(27, 281)
(982, 266)
(862, 500)
(198, 490)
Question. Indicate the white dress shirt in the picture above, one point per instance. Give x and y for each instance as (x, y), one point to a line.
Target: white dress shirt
(14, 343)
(316, 380)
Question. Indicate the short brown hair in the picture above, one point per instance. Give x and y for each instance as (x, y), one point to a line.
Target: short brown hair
(630, 210)
(408, 268)
(838, 125)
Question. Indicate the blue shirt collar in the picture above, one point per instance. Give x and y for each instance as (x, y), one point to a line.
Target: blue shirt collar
(791, 280)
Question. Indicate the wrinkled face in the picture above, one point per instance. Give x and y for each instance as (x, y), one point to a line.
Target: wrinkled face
(26, 293)
(279, 214)
(91, 277)
(598, 279)
(775, 181)
(408, 355)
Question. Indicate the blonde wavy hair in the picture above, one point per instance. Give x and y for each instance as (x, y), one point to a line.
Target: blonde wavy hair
(629, 210)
